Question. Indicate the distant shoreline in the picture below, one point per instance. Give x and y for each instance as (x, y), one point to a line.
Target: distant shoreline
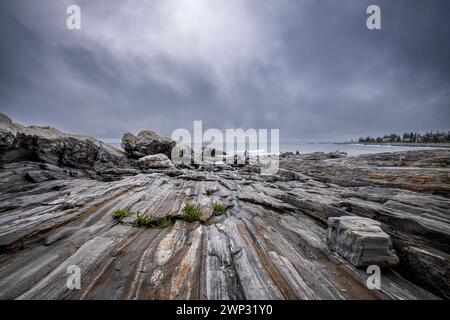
(400, 144)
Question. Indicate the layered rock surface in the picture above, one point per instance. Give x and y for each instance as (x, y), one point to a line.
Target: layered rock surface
(51, 146)
(361, 241)
(269, 244)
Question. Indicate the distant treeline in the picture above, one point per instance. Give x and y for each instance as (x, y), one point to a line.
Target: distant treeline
(411, 137)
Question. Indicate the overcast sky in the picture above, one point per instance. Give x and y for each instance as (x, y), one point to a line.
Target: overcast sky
(310, 68)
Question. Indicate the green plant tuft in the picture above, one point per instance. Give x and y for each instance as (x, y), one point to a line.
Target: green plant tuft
(165, 222)
(219, 209)
(192, 212)
(142, 221)
(120, 214)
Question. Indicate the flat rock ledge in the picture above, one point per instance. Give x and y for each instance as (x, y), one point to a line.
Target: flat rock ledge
(361, 241)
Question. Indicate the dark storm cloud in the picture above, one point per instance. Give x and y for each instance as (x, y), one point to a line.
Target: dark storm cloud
(310, 68)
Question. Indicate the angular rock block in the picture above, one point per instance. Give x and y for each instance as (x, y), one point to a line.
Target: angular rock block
(157, 161)
(361, 241)
(146, 143)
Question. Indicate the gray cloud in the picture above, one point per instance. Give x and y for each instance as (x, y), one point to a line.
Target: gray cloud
(310, 68)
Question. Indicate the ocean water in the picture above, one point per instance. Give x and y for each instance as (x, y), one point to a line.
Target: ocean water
(310, 147)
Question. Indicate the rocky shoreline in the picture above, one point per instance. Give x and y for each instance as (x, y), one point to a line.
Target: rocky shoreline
(404, 144)
(59, 194)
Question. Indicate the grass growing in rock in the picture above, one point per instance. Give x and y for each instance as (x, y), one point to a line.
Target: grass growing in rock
(219, 209)
(120, 214)
(192, 212)
(165, 222)
(142, 221)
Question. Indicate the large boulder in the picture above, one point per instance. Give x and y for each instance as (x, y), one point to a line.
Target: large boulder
(361, 241)
(157, 161)
(49, 145)
(146, 143)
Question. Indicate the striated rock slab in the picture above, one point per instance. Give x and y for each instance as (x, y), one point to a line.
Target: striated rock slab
(361, 241)
(261, 248)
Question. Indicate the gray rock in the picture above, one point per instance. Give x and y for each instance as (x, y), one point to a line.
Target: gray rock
(211, 152)
(361, 241)
(41, 176)
(49, 145)
(146, 143)
(62, 234)
(336, 155)
(182, 155)
(121, 171)
(157, 161)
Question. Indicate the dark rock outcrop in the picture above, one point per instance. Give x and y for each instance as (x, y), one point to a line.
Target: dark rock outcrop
(146, 143)
(49, 145)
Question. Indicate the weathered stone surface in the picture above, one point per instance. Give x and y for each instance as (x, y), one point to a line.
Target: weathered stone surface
(49, 145)
(361, 241)
(40, 176)
(270, 243)
(157, 161)
(146, 143)
(262, 247)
